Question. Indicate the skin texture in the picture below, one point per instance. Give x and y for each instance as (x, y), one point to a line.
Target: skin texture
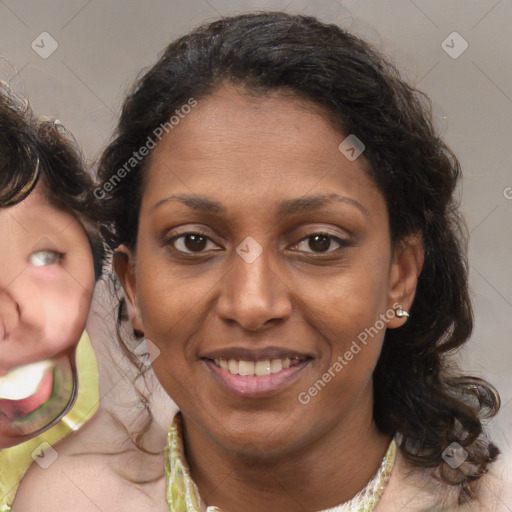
(46, 285)
(251, 153)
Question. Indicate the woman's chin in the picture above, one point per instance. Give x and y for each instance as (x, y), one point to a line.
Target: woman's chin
(262, 439)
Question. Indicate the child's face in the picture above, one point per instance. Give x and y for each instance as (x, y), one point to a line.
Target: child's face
(46, 286)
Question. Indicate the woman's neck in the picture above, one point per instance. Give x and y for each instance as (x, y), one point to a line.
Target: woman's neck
(320, 475)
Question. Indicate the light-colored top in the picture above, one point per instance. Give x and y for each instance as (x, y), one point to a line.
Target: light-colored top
(183, 495)
(15, 461)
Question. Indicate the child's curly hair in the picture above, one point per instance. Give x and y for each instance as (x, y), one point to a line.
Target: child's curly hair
(34, 150)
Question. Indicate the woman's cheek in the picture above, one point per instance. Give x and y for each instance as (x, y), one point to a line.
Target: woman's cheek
(170, 302)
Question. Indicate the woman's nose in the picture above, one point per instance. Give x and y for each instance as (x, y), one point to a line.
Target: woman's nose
(252, 294)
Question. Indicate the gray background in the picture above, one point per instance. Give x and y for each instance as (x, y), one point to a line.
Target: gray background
(102, 46)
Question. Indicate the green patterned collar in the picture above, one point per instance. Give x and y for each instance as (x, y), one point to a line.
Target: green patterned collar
(15, 461)
(183, 495)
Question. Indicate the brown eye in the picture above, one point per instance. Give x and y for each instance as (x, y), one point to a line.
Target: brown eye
(195, 242)
(189, 242)
(321, 242)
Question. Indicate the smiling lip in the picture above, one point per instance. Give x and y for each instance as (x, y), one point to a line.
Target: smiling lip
(255, 354)
(255, 386)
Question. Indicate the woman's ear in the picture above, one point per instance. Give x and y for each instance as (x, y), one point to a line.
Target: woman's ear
(406, 267)
(124, 266)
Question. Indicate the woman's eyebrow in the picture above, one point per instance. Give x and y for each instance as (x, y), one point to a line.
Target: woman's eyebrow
(315, 202)
(286, 208)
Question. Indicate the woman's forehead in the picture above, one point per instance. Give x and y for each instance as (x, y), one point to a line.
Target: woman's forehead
(267, 144)
(234, 114)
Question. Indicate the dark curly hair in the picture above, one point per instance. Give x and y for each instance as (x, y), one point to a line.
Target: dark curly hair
(34, 150)
(419, 393)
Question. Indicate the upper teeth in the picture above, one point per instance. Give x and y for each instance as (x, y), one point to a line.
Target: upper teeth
(23, 381)
(259, 368)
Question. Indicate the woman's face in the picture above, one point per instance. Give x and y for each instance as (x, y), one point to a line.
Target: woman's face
(46, 285)
(241, 268)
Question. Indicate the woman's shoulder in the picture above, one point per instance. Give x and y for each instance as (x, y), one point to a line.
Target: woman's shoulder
(412, 489)
(88, 474)
(498, 486)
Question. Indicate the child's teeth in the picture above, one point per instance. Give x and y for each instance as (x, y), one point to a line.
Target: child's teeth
(23, 381)
(260, 368)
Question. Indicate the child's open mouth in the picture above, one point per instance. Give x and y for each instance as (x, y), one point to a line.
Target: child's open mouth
(25, 388)
(35, 396)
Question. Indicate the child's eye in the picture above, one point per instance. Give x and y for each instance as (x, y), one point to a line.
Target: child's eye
(45, 258)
